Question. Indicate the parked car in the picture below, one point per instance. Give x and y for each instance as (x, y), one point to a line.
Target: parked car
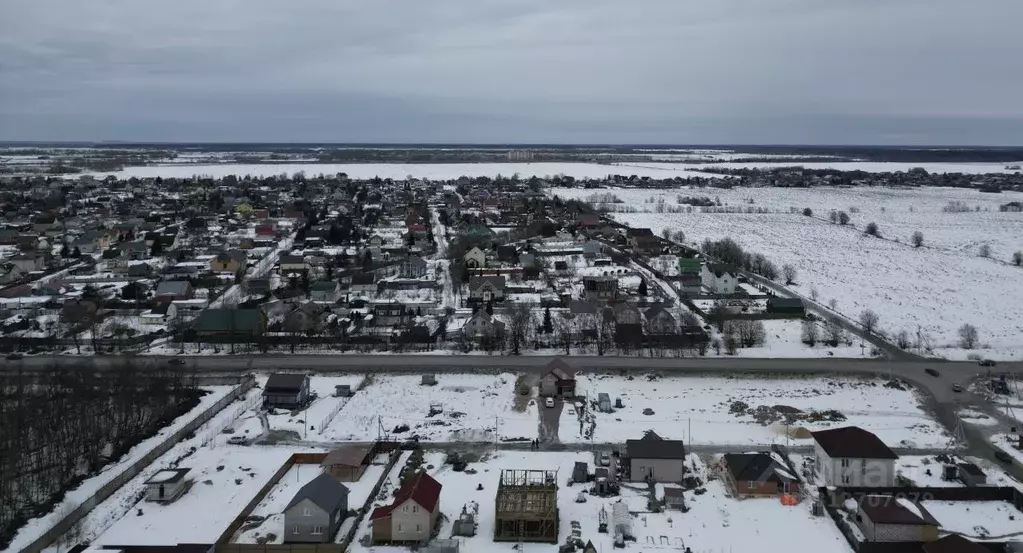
(237, 440)
(1003, 457)
(15, 356)
(931, 372)
(177, 361)
(957, 387)
(987, 363)
(549, 402)
(604, 460)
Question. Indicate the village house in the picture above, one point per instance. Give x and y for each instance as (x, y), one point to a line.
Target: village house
(164, 313)
(314, 515)
(413, 514)
(286, 390)
(642, 240)
(655, 459)
(28, 263)
(173, 290)
(237, 324)
(412, 267)
(719, 279)
(228, 262)
(486, 289)
(293, 265)
(659, 320)
(363, 284)
(134, 251)
(884, 518)
(324, 291)
(559, 380)
(600, 287)
(851, 456)
(756, 474)
(475, 258)
(482, 325)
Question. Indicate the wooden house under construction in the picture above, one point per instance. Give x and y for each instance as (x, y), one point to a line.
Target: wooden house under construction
(527, 506)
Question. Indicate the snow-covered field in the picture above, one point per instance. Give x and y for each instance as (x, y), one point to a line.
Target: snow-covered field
(475, 408)
(976, 519)
(715, 522)
(784, 339)
(936, 288)
(35, 527)
(699, 410)
(866, 166)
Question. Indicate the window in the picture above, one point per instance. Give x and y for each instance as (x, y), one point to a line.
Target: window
(415, 509)
(317, 530)
(845, 463)
(419, 528)
(404, 509)
(295, 530)
(306, 512)
(846, 479)
(751, 484)
(399, 528)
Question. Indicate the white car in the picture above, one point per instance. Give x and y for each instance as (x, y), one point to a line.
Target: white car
(549, 402)
(604, 460)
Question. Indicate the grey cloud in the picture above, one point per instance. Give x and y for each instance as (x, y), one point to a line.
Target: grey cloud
(727, 71)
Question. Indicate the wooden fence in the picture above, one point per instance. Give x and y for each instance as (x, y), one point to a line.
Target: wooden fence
(105, 491)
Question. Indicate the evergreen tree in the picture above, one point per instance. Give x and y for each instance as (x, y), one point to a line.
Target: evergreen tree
(548, 325)
(642, 287)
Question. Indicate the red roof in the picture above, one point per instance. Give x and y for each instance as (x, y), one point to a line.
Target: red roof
(421, 488)
(417, 228)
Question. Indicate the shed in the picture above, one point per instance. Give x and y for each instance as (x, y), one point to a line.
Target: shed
(166, 485)
(674, 498)
(343, 390)
(971, 474)
(429, 380)
(441, 546)
(603, 402)
(347, 463)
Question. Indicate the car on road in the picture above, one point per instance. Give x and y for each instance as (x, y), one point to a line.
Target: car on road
(237, 440)
(604, 460)
(15, 356)
(1003, 456)
(177, 361)
(957, 387)
(931, 372)
(987, 363)
(549, 402)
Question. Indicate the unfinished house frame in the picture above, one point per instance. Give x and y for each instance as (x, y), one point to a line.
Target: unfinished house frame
(527, 506)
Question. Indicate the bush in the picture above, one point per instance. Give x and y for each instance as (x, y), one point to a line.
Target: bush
(807, 212)
(872, 229)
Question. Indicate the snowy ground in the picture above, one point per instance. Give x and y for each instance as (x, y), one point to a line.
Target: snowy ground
(976, 519)
(698, 410)
(866, 166)
(935, 288)
(784, 339)
(310, 422)
(714, 523)
(476, 408)
(35, 527)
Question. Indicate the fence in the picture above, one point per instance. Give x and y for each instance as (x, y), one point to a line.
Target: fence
(394, 456)
(105, 491)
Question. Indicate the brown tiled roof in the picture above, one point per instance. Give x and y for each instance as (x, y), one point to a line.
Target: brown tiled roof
(852, 441)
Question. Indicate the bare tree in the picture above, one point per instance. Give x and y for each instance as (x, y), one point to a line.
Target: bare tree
(76, 317)
(810, 333)
(716, 344)
(520, 317)
(968, 336)
(917, 239)
(679, 236)
(666, 233)
(564, 330)
(731, 344)
(833, 216)
(718, 314)
(869, 320)
(832, 304)
(902, 340)
(1017, 258)
(843, 218)
(985, 250)
(872, 229)
(749, 333)
(789, 272)
(814, 294)
(833, 333)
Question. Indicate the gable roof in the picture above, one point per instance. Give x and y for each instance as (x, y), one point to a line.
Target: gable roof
(324, 491)
(852, 441)
(886, 509)
(560, 369)
(477, 281)
(421, 488)
(229, 320)
(284, 382)
(173, 288)
(756, 467)
(653, 446)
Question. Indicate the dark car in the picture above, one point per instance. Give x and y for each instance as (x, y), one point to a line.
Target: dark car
(177, 361)
(1003, 457)
(14, 356)
(931, 372)
(987, 363)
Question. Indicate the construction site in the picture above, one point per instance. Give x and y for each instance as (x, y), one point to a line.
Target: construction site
(527, 506)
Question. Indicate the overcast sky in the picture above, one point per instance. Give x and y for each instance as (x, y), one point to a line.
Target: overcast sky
(575, 71)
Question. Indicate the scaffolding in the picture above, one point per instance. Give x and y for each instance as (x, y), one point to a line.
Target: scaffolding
(527, 506)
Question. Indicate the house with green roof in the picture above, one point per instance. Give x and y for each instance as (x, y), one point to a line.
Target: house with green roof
(230, 323)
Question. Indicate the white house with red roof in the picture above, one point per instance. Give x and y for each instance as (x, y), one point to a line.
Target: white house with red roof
(413, 514)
